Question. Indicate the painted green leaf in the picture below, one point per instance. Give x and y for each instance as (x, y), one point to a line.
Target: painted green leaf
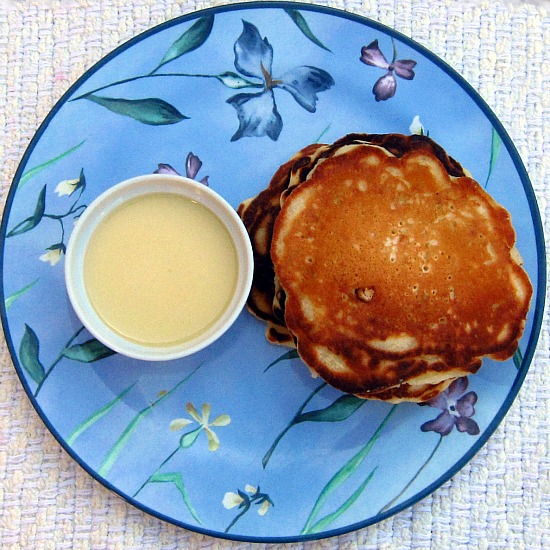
(236, 81)
(189, 438)
(518, 358)
(339, 410)
(320, 136)
(302, 24)
(81, 180)
(32, 221)
(116, 449)
(152, 111)
(322, 524)
(93, 418)
(394, 47)
(12, 297)
(28, 355)
(37, 169)
(496, 142)
(88, 352)
(190, 40)
(287, 356)
(177, 479)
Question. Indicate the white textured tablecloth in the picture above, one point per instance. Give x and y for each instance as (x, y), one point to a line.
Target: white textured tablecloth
(501, 499)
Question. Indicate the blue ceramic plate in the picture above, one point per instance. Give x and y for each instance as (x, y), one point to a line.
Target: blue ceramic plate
(239, 441)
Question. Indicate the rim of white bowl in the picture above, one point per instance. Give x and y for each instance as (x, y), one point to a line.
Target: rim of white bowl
(108, 201)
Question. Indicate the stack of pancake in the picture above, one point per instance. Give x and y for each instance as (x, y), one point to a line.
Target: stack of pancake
(389, 268)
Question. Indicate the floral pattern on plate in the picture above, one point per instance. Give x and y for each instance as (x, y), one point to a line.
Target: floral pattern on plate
(239, 440)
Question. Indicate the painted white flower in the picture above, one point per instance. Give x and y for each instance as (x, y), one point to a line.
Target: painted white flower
(231, 500)
(417, 127)
(53, 254)
(67, 187)
(204, 422)
(243, 500)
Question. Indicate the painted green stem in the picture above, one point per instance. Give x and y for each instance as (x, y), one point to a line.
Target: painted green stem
(344, 473)
(412, 480)
(59, 357)
(162, 464)
(238, 517)
(318, 140)
(175, 478)
(394, 47)
(59, 218)
(68, 213)
(151, 75)
(267, 455)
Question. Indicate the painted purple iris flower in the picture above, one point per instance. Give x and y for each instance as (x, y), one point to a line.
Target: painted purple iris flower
(385, 86)
(192, 166)
(257, 112)
(456, 410)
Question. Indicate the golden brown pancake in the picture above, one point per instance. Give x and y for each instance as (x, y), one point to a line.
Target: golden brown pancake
(399, 272)
(290, 176)
(259, 213)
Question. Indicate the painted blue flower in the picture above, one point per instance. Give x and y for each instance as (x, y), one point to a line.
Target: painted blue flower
(456, 410)
(192, 166)
(257, 112)
(384, 88)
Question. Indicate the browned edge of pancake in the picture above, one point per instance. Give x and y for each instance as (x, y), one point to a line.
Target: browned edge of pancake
(408, 393)
(258, 215)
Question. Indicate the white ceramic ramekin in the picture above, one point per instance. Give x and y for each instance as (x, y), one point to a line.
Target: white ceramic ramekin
(111, 199)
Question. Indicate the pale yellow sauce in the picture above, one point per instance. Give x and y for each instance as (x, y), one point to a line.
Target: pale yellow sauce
(160, 269)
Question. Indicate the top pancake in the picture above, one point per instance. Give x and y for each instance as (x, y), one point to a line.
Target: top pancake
(397, 268)
(259, 213)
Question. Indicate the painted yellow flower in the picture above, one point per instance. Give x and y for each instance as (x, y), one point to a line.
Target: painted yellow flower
(250, 489)
(203, 420)
(260, 498)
